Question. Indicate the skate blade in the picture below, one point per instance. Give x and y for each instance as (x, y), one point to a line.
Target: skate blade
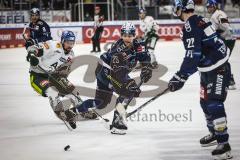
(81, 118)
(118, 131)
(209, 144)
(224, 156)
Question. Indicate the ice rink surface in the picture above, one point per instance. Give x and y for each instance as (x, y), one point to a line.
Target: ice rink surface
(30, 130)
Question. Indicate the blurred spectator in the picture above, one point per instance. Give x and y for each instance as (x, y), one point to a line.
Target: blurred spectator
(163, 2)
(46, 4)
(116, 16)
(7, 3)
(235, 2)
(87, 17)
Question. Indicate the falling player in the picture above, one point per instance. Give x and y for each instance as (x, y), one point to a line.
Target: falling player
(219, 20)
(208, 54)
(112, 76)
(55, 58)
(149, 28)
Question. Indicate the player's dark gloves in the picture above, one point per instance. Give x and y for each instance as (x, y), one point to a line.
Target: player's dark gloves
(33, 53)
(33, 60)
(30, 42)
(132, 88)
(177, 82)
(146, 73)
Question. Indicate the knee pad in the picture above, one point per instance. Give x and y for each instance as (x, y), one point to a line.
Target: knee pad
(103, 98)
(220, 124)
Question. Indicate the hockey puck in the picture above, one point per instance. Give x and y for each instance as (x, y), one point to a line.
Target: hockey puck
(66, 148)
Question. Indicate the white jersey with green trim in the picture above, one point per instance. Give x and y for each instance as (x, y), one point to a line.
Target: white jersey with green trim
(147, 24)
(53, 56)
(220, 21)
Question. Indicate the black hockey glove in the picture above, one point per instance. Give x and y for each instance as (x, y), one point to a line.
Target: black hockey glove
(146, 73)
(63, 70)
(36, 51)
(177, 82)
(33, 60)
(132, 88)
(30, 42)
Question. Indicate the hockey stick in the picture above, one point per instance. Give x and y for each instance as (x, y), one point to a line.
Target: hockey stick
(24, 31)
(106, 120)
(146, 103)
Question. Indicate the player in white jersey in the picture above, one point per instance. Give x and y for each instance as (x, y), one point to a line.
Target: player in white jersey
(50, 66)
(219, 20)
(149, 28)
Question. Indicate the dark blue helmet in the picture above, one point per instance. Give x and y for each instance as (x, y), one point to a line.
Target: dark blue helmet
(67, 36)
(141, 10)
(35, 11)
(211, 3)
(183, 5)
(128, 28)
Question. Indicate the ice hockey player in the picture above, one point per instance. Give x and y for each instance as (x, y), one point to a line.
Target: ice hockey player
(98, 29)
(39, 29)
(220, 21)
(55, 58)
(208, 54)
(112, 76)
(149, 28)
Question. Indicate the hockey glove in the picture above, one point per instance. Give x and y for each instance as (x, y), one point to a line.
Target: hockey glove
(30, 42)
(177, 82)
(36, 51)
(132, 89)
(33, 60)
(146, 73)
(63, 70)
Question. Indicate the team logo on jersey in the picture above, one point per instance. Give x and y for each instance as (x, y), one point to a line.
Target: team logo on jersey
(188, 27)
(40, 22)
(58, 45)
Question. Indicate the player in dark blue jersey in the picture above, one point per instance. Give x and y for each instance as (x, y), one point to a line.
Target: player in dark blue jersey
(39, 29)
(206, 53)
(112, 76)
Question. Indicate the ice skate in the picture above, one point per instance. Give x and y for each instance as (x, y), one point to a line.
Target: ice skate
(208, 140)
(222, 152)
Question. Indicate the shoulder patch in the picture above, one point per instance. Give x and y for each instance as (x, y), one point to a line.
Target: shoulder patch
(40, 22)
(58, 45)
(187, 26)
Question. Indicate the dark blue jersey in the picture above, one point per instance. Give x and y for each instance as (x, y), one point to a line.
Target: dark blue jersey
(40, 31)
(205, 51)
(119, 60)
(137, 52)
